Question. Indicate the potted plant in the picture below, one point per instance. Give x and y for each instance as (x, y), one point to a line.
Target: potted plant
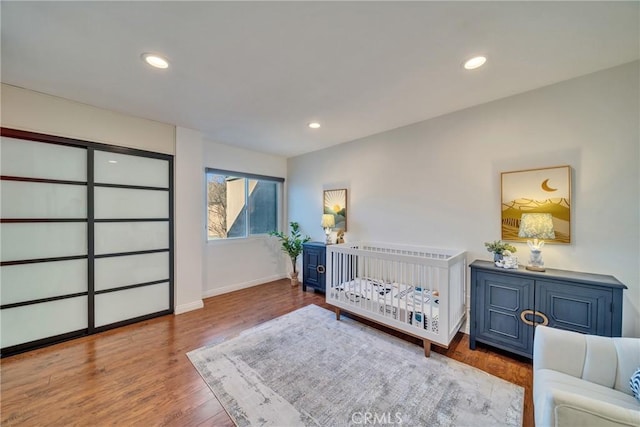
(292, 246)
(499, 248)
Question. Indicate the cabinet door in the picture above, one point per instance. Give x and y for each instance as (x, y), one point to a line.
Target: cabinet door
(501, 300)
(322, 274)
(577, 308)
(311, 261)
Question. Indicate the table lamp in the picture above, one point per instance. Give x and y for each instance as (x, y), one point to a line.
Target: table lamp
(328, 222)
(537, 226)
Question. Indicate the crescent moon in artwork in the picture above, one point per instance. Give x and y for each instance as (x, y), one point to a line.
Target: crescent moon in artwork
(545, 186)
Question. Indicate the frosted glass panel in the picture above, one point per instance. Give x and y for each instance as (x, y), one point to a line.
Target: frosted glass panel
(113, 168)
(128, 203)
(42, 200)
(42, 240)
(115, 237)
(19, 157)
(119, 271)
(37, 321)
(28, 282)
(122, 305)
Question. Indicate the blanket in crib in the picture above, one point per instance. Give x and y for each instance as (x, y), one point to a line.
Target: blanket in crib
(406, 303)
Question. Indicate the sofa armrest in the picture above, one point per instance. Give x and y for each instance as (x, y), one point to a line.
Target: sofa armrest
(559, 350)
(561, 408)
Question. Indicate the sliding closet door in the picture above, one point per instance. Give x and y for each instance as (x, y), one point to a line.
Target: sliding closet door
(44, 269)
(86, 238)
(132, 235)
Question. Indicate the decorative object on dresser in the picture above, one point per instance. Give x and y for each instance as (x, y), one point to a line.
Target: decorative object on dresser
(506, 305)
(417, 290)
(292, 246)
(498, 249)
(546, 190)
(313, 266)
(328, 222)
(537, 226)
(508, 262)
(306, 369)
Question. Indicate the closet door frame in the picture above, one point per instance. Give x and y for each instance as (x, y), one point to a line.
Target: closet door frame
(91, 221)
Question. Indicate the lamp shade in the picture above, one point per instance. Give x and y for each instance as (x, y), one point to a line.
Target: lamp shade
(537, 226)
(328, 221)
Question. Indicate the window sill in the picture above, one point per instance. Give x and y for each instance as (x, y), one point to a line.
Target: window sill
(237, 240)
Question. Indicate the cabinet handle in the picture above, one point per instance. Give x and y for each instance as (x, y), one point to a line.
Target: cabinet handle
(320, 269)
(523, 313)
(545, 319)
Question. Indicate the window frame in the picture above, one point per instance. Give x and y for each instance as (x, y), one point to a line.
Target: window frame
(247, 226)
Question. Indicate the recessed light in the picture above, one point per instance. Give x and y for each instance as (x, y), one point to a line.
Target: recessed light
(314, 125)
(113, 161)
(155, 60)
(475, 62)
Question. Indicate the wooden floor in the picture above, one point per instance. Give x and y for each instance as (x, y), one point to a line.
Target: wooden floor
(140, 375)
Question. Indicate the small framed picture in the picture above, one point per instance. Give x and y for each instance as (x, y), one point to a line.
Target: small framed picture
(335, 203)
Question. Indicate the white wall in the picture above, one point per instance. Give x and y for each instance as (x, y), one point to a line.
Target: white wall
(189, 220)
(235, 264)
(437, 182)
(37, 112)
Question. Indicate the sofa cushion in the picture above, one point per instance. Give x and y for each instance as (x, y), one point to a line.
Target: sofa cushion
(546, 379)
(552, 346)
(561, 399)
(597, 368)
(570, 410)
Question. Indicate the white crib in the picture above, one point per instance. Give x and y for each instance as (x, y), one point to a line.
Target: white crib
(417, 290)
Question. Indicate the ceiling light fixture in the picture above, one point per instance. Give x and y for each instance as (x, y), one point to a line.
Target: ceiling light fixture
(314, 125)
(155, 60)
(475, 62)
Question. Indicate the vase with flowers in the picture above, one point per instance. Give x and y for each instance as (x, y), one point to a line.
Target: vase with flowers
(499, 249)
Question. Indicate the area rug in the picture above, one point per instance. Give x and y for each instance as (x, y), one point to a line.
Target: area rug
(307, 369)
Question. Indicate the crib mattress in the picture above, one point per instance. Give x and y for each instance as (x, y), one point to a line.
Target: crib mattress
(398, 301)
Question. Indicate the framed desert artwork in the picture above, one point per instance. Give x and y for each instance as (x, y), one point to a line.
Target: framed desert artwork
(537, 191)
(335, 203)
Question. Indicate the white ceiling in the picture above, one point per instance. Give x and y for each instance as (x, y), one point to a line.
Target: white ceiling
(253, 74)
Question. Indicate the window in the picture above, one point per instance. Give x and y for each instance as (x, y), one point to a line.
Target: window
(241, 205)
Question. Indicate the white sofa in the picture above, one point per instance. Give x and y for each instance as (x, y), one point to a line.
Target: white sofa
(583, 380)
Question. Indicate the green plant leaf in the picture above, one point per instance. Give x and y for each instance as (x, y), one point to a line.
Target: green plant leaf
(292, 244)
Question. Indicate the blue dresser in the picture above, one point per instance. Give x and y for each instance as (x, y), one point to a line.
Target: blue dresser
(314, 255)
(506, 305)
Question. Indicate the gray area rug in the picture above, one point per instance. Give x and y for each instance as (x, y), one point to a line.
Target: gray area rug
(307, 369)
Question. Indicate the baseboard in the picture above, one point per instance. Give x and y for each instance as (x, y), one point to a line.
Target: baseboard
(190, 306)
(236, 287)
